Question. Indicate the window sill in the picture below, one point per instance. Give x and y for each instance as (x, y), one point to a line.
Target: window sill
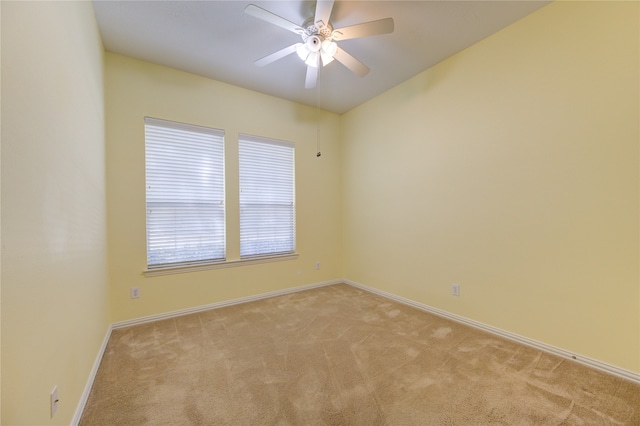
(217, 265)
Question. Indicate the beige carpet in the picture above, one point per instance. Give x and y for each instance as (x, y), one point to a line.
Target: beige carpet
(341, 356)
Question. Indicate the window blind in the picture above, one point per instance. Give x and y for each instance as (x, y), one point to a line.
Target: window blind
(184, 193)
(267, 196)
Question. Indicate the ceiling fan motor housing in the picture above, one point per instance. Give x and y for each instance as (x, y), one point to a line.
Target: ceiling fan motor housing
(320, 29)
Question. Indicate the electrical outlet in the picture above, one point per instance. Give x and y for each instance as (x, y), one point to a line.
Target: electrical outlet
(455, 289)
(135, 292)
(54, 400)
(318, 265)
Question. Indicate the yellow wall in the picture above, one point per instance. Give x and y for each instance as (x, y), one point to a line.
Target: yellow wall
(55, 309)
(136, 89)
(511, 169)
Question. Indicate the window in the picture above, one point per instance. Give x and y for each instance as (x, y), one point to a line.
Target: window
(185, 193)
(267, 197)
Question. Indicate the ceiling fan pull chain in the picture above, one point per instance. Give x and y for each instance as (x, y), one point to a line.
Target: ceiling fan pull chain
(318, 154)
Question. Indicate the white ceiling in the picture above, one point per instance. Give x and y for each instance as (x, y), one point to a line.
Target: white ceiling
(216, 39)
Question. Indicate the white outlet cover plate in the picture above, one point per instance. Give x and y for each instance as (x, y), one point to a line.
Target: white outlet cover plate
(455, 289)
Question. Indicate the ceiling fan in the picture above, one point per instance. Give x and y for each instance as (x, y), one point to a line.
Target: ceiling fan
(319, 38)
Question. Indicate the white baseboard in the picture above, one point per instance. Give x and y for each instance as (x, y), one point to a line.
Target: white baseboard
(595, 364)
(92, 376)
(187, 311)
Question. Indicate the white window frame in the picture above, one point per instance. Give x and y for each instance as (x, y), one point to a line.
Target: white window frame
(267, 197)
(185, 180)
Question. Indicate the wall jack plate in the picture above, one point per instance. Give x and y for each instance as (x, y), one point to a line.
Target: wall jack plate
(54, 400)
(455, 289)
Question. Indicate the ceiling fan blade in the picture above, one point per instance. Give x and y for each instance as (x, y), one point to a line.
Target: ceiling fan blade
(277, 55)
(323, 11)
(312, 76)
(272, 18)
(381, 26)
(352, 63)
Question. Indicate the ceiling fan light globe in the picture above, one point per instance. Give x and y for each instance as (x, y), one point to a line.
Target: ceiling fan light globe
(326, 58)
(313, 59)
(329, 47)
(302, 51)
